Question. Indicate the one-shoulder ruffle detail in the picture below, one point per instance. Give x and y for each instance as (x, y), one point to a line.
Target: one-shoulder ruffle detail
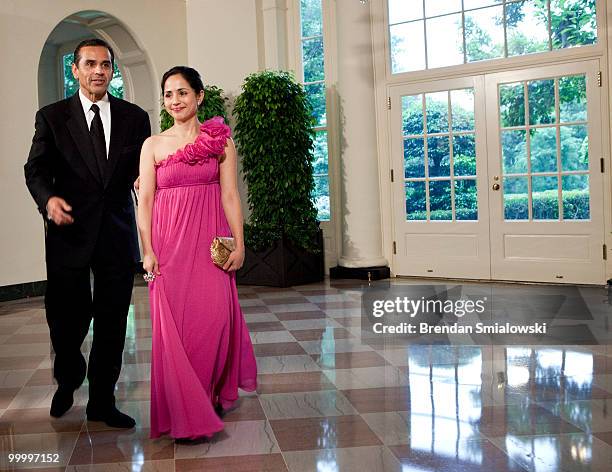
(209, 143)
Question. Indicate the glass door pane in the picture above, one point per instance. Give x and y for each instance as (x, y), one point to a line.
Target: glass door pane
(544, 149)
(545, 195)
(440, 156)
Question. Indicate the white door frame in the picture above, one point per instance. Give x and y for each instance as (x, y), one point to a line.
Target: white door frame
(457, 249)
(449, 249)
(548, 251)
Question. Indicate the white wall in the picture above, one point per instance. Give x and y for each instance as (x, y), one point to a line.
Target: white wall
(222, 44)
(222, 41)
(159, 27)
(48, 82)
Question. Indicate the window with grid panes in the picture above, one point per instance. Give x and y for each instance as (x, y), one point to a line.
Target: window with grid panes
(426, 34)
(313, 61)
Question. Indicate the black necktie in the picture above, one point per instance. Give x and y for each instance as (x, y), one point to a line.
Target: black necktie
(96, 131)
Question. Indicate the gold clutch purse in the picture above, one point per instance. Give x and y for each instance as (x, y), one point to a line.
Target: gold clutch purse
(220, 249)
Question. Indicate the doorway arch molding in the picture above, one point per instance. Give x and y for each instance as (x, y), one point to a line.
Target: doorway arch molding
(135, 66)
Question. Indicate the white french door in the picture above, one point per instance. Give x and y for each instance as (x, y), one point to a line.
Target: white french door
(498, 176)
(548, 210)
(441, 216)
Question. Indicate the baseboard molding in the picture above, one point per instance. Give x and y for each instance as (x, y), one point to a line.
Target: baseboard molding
(363, 273)
(24, 290)
(37, 289)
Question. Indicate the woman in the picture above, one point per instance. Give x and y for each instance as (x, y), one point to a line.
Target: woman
(188, 195)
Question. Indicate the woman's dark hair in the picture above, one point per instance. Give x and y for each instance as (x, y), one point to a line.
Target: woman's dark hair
(92, 42)
(191, 75)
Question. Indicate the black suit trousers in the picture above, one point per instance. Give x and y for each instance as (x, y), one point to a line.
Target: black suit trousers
(71, 306)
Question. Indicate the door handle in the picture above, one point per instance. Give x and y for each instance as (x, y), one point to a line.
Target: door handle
(496, 184)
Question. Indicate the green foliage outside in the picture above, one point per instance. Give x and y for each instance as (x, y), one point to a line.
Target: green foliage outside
(543, 152)
(320, 195)
(311, 16)
(575, 206)
(71, 85)
(543, 144)
(212, 105)
(464, 157)
(572, 23)
(313, 57)
(438, 122)
(274, 136)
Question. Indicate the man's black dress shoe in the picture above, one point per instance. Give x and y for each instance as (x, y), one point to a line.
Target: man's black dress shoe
(111, 416)
(62, 401)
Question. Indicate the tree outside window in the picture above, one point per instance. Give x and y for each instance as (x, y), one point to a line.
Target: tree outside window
(313, 65)
(447, 33)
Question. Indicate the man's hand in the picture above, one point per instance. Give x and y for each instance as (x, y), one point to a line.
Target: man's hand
(137, 185)
(57, 211)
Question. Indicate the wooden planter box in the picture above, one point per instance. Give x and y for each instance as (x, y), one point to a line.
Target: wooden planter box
(282, 265)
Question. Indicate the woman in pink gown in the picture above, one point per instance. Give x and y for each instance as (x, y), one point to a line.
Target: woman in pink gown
(201, 351)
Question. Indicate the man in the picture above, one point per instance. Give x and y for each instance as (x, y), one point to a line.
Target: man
(82, 165)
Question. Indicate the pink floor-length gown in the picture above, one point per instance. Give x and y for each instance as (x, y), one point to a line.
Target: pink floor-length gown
(201, 352)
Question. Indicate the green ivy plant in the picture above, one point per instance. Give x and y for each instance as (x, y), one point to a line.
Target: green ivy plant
(274, 138)
(212, 105)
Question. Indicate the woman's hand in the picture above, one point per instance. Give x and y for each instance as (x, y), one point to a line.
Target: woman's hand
(150, 264)
(235, 260)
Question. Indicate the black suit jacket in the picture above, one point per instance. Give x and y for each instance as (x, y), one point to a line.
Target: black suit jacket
(62, 163)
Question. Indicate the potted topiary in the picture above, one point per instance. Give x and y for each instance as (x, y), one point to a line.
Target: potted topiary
(212, 105)
(274, 137)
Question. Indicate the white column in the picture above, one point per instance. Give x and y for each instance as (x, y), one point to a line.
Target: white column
(361, 222)
(274, 14)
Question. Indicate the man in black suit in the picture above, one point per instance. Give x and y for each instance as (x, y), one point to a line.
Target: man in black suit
(81, 168)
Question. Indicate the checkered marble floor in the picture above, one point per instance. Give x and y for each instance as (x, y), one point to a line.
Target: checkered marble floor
(326, 400)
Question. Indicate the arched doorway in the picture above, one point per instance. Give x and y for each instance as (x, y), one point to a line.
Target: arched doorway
(134, 74)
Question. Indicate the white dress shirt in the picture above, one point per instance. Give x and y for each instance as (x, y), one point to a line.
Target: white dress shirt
(105, 114)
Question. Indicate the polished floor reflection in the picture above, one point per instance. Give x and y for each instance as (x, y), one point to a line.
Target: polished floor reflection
(329, 400)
